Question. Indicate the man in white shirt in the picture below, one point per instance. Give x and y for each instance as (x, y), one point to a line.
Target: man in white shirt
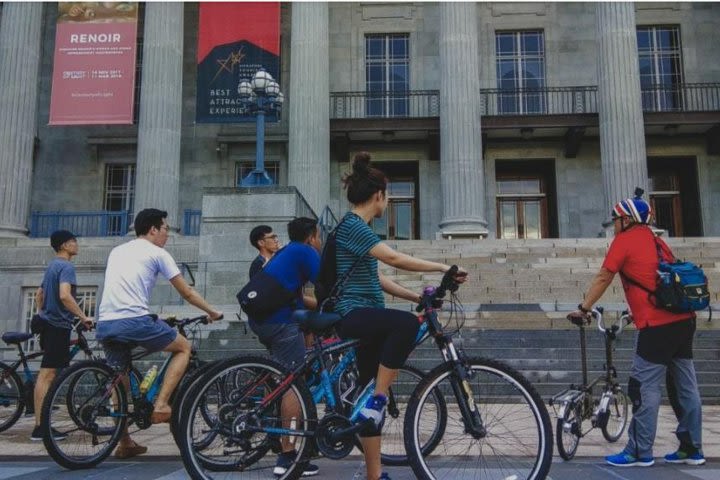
(124, 316)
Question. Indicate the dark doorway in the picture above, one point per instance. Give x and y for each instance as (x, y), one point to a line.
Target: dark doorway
(399, 222)
(525, 199)
(674, 195)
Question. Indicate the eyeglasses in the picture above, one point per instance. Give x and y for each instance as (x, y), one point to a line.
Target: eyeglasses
(270, 237)
(167, 228)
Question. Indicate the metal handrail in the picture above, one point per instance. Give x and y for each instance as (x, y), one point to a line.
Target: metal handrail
(327, 222)
(85, 224)
(681, 97)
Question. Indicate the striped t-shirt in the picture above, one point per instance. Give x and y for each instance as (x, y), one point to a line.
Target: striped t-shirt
(355, 239)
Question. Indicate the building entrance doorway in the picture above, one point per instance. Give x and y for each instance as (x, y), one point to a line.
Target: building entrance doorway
(399, 222)
(674, 196)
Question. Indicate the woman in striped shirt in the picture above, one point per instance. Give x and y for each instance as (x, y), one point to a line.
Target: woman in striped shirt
(387, 336)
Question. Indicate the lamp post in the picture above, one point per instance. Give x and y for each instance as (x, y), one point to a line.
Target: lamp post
(260, 96)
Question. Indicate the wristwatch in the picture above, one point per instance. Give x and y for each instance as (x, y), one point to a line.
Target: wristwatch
(582, 309)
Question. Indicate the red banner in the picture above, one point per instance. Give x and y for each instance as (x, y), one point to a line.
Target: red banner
(94, 65)
(234, 41)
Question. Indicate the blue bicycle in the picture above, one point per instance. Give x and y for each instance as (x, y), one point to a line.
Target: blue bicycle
(250, 424)
(88, 404)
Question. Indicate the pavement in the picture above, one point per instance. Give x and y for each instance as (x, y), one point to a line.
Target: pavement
(22, 459)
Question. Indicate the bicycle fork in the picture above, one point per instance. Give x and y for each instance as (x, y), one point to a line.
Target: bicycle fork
(459, 381)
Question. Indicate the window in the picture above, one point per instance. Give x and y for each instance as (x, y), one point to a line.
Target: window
(661, 75)
(85, 296)
(243, 169)
(520, 65)
(119, 195)
(387, 75)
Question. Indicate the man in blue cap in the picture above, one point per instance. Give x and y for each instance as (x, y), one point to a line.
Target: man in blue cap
(57, 310)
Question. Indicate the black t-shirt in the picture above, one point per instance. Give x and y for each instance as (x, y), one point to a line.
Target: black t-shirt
(256, 265)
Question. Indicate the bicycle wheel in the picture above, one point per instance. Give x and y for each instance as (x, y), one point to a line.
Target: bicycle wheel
(12, 397)
(617, 415)
(518, 442)
(187, 382)
(240, 443)
(95, 422)
(568, 430)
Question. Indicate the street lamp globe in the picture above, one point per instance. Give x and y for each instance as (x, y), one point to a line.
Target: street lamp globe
(279, 98)
(260, 80)
(245, 89)
(272, 88)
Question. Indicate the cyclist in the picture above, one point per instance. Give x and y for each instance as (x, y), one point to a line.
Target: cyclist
(664, 339)
(57, 310)
(124, 316)
(387, 336)
(293, 266)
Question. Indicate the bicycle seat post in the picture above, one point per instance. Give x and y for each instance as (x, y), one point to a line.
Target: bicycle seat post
(583, 355)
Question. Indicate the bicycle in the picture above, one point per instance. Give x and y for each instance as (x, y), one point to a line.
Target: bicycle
(578, 404)
(497, 428)
(100, 411)
(250, 423)
(16, 396)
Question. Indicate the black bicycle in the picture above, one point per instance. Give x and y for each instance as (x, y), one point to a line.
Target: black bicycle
(16, 395)
(88, 403)
(578, 409)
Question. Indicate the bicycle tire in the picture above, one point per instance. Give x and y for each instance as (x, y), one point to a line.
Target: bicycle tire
(459, 454)
(200, 465)
(572, 436)
(53, 418)
(188, 380)
(392, 431)
(14, 402)
(617, 410)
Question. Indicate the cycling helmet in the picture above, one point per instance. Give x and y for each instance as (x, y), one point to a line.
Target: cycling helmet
(636, 208)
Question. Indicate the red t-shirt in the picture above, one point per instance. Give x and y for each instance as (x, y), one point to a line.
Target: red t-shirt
(633, 253)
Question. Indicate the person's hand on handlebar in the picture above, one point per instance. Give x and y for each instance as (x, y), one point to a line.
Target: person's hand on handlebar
(460, 276)
(214, 315)
(87, 322)
(579, 317)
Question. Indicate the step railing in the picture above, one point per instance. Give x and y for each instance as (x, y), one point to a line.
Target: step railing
(82, 224)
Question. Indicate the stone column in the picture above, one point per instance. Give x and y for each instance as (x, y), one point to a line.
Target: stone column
(622, 132)
(309, 104)
(157, 181)
(461, 162)
(20, 41)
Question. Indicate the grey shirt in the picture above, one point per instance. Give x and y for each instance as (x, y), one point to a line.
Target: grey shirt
(54, 312)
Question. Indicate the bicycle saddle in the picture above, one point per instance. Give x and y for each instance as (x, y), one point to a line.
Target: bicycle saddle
(315, 321)
(15, 337)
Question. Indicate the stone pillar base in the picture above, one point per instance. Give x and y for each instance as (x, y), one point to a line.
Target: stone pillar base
(12, 231)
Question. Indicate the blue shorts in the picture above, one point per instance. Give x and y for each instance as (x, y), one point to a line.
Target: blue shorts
(146, 332)
(285, 341)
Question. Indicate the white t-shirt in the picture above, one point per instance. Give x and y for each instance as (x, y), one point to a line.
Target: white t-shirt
(132, 269)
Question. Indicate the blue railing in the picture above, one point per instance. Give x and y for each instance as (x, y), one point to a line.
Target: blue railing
(327, 222)
(83, 224)
(191, 222)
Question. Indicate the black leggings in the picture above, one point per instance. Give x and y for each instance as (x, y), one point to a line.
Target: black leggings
(386, 337)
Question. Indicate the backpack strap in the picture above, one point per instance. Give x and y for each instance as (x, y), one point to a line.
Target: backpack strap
(340, 283)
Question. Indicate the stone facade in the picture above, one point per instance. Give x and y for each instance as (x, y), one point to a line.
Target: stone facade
(69, 163)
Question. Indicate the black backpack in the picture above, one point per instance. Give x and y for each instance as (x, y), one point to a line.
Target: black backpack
(327, 286)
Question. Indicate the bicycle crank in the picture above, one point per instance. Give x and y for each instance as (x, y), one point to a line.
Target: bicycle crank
(331, 437)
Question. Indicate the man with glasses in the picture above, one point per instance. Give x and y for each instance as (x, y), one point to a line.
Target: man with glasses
(124, 314)
(267, 243)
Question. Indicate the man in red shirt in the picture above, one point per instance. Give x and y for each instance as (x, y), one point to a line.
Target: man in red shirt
(664, 339)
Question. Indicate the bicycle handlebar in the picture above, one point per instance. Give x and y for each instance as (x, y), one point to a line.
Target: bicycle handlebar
(184, 322)
(615, 327)
(431, 294)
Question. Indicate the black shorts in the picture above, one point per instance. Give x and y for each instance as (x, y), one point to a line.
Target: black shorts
(662, 344)
(55, 343)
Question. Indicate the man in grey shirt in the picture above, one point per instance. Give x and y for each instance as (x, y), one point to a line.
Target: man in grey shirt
(57, 310)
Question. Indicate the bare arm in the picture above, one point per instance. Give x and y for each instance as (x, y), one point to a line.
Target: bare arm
(68, 301)
(192, 297)
(310, 302)
(599, 284)
(39, 298)
(396, 259)
(396, 290)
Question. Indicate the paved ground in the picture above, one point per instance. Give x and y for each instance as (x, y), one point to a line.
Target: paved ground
(21, 459)
(154, 468)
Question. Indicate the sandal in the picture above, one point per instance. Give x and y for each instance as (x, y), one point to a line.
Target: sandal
(128, 452)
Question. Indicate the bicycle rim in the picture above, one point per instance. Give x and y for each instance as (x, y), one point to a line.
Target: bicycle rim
(12, 397)
(518, 443)
(568, 430)
(617, 420)
(225, 451)
(82, 406)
